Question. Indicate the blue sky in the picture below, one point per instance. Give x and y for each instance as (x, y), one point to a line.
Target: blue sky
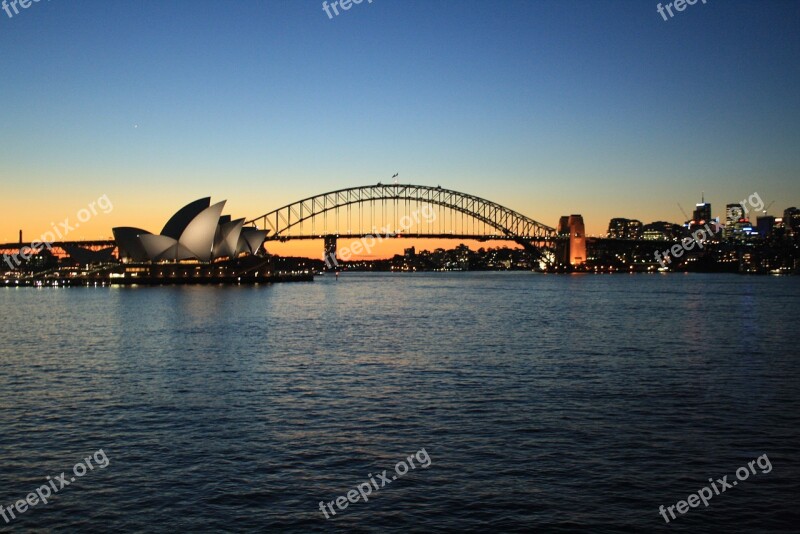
(548, 107)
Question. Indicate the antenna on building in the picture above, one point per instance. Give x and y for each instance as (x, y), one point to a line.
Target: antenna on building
(703, 197)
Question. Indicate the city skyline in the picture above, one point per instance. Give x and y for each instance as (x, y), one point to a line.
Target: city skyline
(476, 99)
(386, 248)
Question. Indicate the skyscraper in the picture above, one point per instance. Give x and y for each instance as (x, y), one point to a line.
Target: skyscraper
(702, 212)
(791, 220)
(733, 213)
(765, 224)
(700, 216)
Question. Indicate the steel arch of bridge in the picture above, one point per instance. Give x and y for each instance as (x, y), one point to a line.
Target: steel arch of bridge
(509, 223)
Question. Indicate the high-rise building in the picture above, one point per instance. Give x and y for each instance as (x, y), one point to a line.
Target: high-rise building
(702, 212)
(743, 230)
(734, 214)
(791, 220)
(619, 228)
(701, 215)
(765, 224)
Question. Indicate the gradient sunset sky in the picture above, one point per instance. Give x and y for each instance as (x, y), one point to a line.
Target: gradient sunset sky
(548, 107)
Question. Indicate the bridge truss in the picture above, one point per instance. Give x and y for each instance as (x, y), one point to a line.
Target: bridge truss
(394, 209)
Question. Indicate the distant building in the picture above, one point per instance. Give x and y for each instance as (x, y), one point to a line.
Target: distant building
(700, 216)
(663, 231)
(765, 225)
(83, 256)
(733, 213)
(702, 213)
(743, 230)
(737, 226)
(619, 228)
(791, 220)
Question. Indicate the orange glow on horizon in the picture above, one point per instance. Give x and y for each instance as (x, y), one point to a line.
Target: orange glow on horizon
(385, 250)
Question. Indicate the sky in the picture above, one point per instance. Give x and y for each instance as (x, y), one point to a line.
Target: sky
(601, 108)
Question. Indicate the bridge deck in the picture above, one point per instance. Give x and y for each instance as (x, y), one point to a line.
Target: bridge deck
(474, 237)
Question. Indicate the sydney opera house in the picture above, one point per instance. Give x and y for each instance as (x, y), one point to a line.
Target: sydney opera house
(198, 245)
(198, 232)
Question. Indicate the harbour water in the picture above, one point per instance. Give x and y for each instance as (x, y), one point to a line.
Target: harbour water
(545, 402)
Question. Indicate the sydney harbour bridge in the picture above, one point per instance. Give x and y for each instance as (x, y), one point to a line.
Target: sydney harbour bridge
(390, 210)
(402, 210)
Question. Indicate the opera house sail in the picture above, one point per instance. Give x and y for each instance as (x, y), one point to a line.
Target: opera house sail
(197, 232)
